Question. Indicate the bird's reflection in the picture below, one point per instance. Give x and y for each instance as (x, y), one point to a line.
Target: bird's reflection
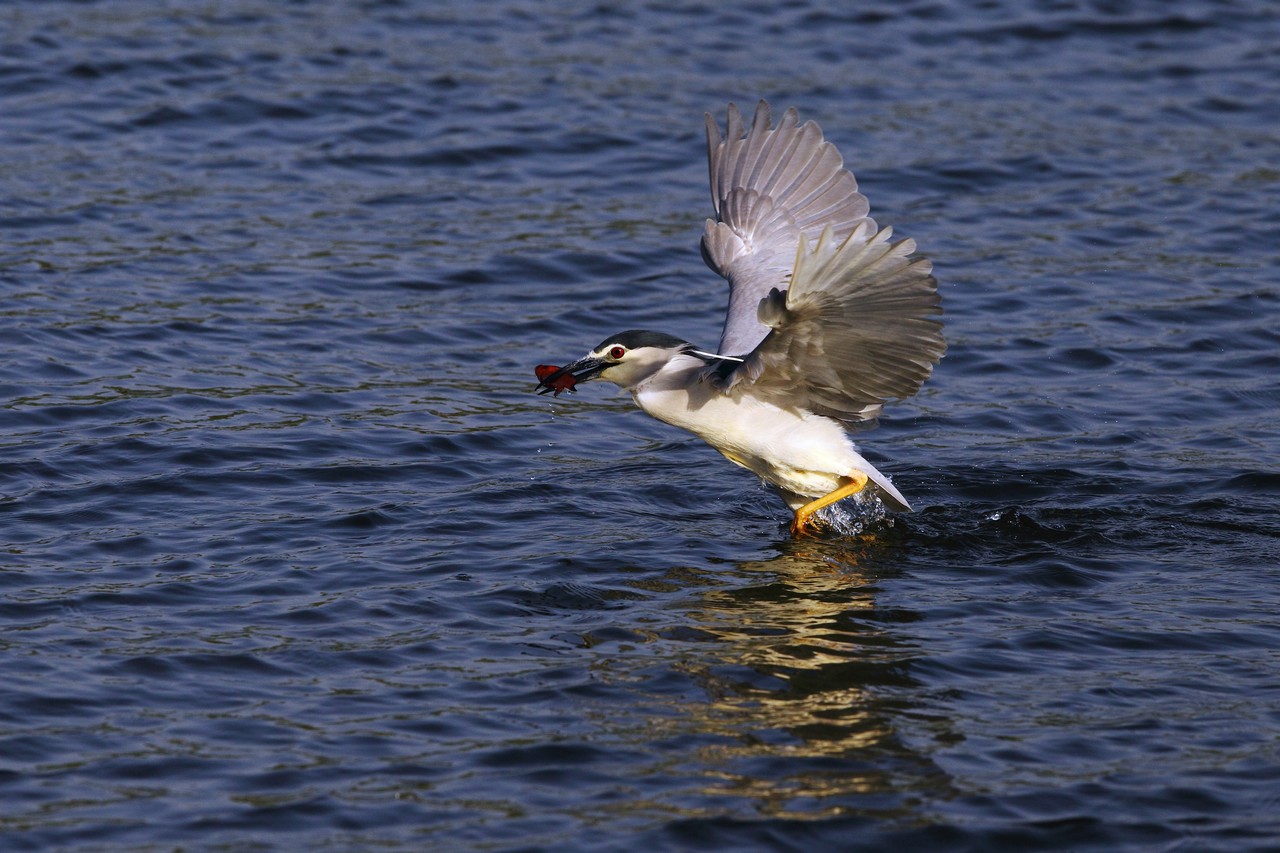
(803, 675)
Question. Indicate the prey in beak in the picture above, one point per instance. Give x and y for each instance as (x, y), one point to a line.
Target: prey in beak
(557, 379)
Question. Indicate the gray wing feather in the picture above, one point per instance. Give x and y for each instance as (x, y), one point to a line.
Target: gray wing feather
(770, 186)
(855, 329)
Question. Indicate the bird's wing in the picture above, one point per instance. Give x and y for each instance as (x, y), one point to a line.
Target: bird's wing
(855, 328)
(770, 186)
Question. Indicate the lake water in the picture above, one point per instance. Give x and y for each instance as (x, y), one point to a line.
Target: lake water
(293, 558)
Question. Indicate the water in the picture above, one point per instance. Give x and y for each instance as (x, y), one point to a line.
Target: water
(294, 559)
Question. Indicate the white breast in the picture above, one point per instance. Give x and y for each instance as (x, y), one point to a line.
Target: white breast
(803, 454)
(797, 451)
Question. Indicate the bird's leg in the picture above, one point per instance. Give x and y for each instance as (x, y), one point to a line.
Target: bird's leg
(857, 481)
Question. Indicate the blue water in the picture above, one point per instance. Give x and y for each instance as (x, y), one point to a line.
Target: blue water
(293, 558)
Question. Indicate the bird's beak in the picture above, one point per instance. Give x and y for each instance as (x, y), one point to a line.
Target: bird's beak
(563, 379)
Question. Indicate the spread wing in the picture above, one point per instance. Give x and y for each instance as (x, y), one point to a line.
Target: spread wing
(770, 187)
(855, 328)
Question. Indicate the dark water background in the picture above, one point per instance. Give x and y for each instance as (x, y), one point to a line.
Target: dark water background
(293, 559)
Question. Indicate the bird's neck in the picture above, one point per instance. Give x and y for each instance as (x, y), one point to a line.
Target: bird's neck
(678, 373)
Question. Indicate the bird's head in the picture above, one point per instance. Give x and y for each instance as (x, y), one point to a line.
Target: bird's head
(625, 359)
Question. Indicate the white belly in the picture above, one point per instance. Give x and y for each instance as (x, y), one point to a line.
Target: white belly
(802, 454)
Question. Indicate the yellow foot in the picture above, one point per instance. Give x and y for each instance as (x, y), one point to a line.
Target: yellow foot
(800, 524)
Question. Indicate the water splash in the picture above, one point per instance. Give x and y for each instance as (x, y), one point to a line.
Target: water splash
(852, 516)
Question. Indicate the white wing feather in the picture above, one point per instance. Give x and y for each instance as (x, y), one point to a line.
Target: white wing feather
(832, 316)
(770, 187)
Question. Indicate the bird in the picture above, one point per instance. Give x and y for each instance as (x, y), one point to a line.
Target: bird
(829, 318)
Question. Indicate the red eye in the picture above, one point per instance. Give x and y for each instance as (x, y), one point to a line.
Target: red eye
(617, 353)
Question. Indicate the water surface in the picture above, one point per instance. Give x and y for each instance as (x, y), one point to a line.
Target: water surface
(294, 559)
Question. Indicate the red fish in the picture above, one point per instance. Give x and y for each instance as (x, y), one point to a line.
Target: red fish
(563, 382)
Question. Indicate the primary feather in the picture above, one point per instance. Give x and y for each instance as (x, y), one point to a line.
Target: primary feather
(830, 315)
(769, 188)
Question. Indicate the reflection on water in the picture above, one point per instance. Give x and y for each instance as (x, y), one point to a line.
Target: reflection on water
(796, 661)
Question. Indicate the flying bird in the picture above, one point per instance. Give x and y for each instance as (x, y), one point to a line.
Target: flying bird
(829, 318)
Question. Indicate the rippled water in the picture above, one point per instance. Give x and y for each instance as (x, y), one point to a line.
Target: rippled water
(294, 559)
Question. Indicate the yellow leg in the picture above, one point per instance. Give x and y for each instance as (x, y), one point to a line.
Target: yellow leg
(857, 481)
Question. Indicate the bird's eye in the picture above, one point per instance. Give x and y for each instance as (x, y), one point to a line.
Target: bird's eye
(617, 353)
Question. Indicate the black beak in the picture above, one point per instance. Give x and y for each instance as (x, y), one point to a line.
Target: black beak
(582, 370)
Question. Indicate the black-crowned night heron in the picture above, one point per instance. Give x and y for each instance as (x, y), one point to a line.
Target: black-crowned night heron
(828, 320)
